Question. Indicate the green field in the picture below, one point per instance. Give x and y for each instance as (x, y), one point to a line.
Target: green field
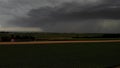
(76, 55)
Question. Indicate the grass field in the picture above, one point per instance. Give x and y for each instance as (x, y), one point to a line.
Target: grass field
(75, 55)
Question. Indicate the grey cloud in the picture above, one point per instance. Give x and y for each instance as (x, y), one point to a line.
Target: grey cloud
(75, 11)
(71, 16)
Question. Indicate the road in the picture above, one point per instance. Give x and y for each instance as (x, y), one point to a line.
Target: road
(58, 42)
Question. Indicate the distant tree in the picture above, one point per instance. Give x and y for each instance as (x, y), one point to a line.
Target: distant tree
(111, 36)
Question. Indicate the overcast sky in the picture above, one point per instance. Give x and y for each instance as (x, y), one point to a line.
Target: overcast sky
(79, 16)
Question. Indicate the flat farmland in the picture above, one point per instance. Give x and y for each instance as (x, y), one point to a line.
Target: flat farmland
(64, 55)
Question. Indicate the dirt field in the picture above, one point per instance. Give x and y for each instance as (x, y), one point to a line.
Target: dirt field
(56, 42)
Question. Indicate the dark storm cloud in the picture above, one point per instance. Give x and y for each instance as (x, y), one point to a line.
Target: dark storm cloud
(72, 11)
(68, 17)
(68, 12)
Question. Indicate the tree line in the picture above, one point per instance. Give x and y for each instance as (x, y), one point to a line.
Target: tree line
(18, 37)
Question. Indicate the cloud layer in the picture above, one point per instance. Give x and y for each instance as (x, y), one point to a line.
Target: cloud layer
(81, 16)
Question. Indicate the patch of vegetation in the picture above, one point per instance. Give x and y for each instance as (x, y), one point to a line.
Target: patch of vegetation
(18, 36)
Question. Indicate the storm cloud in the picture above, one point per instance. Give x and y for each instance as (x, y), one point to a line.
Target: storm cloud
(81, 16)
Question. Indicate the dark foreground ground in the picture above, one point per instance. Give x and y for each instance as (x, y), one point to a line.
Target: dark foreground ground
(69, 55)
